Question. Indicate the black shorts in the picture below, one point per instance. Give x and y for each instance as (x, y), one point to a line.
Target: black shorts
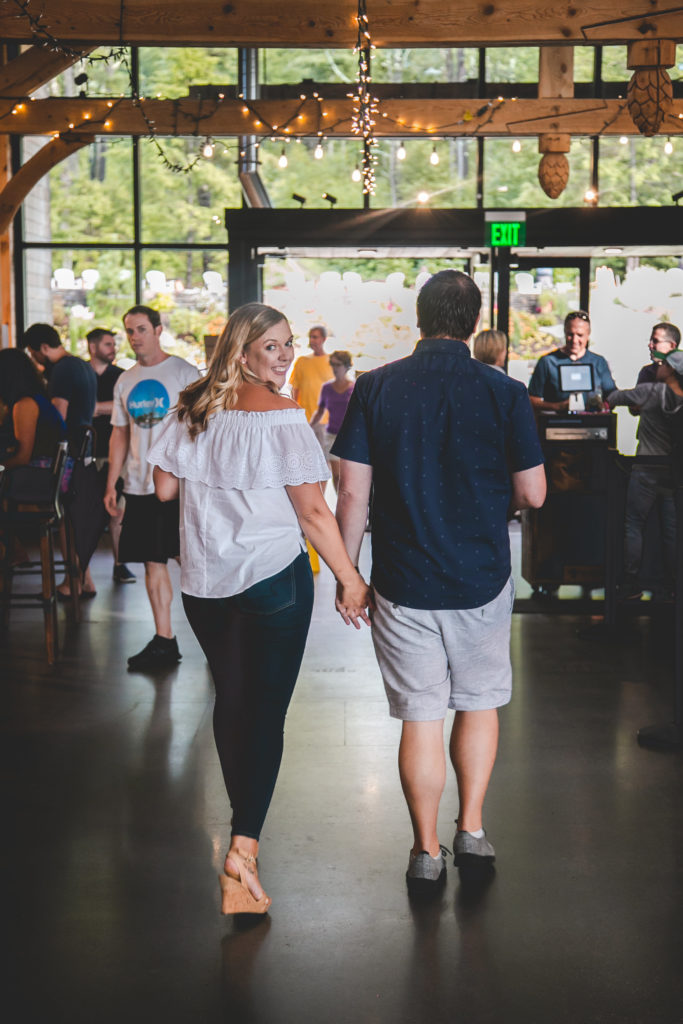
(150, 531)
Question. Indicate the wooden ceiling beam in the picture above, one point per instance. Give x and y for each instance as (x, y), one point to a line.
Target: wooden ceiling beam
(332, 23)
(404, 118)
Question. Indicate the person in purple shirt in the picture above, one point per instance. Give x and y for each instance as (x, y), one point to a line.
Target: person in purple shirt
(334, 397)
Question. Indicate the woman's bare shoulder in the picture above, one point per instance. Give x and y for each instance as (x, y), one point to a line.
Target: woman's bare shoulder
(251, 398)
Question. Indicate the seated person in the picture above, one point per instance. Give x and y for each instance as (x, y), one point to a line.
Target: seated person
(34, 427)
(544, 387)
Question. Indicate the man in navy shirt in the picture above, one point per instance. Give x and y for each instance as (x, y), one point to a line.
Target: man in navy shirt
(544, 387)
(449, 447)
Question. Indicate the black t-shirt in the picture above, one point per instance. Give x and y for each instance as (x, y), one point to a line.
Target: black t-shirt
(105, 393)
(74, 380)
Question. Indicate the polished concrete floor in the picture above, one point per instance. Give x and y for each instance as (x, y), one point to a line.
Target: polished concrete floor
(117, 825)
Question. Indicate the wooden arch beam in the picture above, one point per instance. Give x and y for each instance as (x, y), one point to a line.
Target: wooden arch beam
(332, 23)
(19, 186)
(34, 67)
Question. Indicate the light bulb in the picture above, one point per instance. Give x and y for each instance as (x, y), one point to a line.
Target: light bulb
(590, 195)
(434, 157)
(355, 174)
(516, 146)
(623, 139)
(422, 197)
(207, 149)
(401, 152)
(668, 147)
(318, 153)
(282, 162)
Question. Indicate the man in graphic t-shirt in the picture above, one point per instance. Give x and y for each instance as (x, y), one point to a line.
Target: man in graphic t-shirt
(150, 531)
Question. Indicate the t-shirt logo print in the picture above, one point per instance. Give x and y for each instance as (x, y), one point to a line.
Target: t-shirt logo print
(148, 403)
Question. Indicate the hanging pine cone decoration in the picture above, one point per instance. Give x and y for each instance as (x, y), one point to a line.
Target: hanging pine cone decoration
(650, 96)
(553, 174)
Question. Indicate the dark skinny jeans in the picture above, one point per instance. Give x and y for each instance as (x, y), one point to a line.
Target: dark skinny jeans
(254, 643)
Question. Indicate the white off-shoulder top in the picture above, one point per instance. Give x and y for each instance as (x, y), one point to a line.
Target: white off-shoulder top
(237, 524)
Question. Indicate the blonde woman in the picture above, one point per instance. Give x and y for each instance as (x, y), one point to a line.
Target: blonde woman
(247, 468)
(491, 347)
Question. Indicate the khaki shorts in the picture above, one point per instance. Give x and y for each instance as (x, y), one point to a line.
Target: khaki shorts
(435, 660)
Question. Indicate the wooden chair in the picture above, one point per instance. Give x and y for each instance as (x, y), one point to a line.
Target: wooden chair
(44, 515)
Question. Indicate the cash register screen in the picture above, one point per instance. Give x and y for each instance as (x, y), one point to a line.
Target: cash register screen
(576, 377)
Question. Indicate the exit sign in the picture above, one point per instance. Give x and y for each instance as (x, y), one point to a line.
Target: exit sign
(505, 233)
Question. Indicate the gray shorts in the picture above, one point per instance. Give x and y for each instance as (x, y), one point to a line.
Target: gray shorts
(435, 660)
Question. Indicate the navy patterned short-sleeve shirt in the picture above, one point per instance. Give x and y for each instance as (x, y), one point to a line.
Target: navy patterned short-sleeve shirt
(442, 432)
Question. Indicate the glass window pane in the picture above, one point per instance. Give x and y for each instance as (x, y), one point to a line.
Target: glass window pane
(289, 67)
(78, 290)
(189, 288)
(108, 77)
(187, 207)
(450, 182)
(584, 63)
(614, 67)
(635, 171)
(87, 197)
(512, 64)
(540, 299)
(424, 65)
(511, 174)
(172, 71)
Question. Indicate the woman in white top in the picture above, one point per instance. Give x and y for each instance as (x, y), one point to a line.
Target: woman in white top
(247, 467)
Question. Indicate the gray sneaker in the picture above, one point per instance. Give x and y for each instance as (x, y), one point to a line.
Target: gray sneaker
(468, 849)
(426, 873)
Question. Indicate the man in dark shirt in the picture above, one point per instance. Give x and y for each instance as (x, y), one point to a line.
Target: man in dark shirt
(72, 384)
(449, 446)
(102, 349)
(545, 391)
(664, 338)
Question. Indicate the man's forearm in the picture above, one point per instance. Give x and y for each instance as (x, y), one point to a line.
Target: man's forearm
(352, 505)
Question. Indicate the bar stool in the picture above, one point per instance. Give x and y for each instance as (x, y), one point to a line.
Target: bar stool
(43, 514)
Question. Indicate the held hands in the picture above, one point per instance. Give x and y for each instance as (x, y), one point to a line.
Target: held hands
(354, 596)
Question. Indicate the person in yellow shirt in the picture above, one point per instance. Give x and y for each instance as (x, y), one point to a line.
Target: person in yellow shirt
(309, 375)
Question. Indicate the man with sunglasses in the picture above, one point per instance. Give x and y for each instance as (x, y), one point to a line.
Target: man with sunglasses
(665, 338)
(545, 391)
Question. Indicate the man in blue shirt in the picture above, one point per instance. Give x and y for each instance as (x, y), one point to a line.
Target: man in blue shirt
(449, 447)
(544, 387)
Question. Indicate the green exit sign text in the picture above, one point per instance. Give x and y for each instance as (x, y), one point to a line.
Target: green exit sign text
(506, 233)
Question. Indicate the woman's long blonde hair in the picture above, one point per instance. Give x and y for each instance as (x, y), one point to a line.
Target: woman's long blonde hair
(218, 389)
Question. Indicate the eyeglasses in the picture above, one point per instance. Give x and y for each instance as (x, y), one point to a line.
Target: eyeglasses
(578, 314)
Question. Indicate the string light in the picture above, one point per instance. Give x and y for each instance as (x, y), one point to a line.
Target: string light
(207, 149)
(318, 152)
(282, 162)
(623, 139)
(401, 152)
(516, 146)
(365, 106)
(668, 147)
(422, 197)
(355, 174)
(434, 157)
(590, 196)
